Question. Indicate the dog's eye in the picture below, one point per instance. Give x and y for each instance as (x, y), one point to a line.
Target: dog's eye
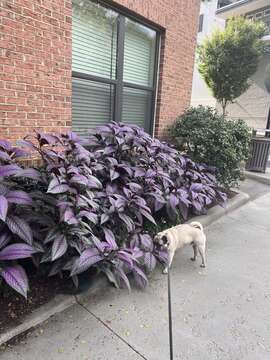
(164, 239)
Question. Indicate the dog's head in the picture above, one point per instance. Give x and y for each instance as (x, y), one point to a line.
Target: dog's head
(162, 240)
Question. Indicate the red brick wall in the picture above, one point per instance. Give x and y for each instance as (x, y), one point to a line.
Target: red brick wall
(35, 61)
(35, 66)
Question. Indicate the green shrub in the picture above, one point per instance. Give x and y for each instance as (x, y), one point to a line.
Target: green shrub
(214, 140)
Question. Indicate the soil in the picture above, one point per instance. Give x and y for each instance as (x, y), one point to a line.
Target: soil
(14, 307)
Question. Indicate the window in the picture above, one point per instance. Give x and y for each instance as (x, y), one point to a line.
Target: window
(201, 23)
(114, 61)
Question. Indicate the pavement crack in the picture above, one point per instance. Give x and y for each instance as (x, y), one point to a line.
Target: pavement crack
(110, 329)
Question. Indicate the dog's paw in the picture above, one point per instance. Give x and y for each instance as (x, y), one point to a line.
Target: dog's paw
(193, 259)
(165, 271)
(203, 266)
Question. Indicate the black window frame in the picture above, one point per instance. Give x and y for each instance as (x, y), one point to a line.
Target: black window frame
(118, 83)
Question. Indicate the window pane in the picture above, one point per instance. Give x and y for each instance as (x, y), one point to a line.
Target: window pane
(94, 37)
(136, 107)
(139, 54)
(92, 104)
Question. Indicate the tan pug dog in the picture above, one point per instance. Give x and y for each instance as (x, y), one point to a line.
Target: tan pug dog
(181, 235)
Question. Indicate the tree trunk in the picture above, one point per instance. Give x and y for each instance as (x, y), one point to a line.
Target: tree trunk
(224, 105)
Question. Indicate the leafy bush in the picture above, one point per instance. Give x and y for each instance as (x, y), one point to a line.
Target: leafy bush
(97, 201)
(212, 139)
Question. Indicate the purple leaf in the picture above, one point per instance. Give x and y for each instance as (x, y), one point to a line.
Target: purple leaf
(123, 276)
(16, 251)
(19, 197)
(46, 139)
(104, 218)
(127, 192)
(28, 173)
(147, 242)
(173, 200)
(3, 208)
(134, 242)
(100, 245)
(140, 277)
(27, 144)
(59, 247)
(51, 235)
(150, 261)
(134, 187)
(17, 152)
(54, 182)
(183, 209)
(89, 215)
(139, 172)
(158, 205)
(110, 238)
(196, 187)
(69, 217)
(79, 179)
(58, 189)
(114, 174)
(16, 278)
(5, 145)
(128, 221)
(4, 239)
(56, 268)
(88, 258)
(126, 257)
(163, 256)
(20, 227)
(8, 170)
(148, 216)
(3, 189)
(93, 182)
(197, 205)
(4, 156)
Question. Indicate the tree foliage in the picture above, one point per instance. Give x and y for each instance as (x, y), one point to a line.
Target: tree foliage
(230, 57)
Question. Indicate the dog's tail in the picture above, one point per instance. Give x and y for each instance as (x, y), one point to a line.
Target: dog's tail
(196, 225)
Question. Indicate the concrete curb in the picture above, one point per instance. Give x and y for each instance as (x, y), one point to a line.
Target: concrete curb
(63, 302)
(261, 177)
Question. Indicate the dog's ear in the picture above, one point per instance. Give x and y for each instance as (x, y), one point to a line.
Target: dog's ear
(164, 239)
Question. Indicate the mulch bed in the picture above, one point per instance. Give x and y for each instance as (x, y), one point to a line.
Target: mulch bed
(14, 307)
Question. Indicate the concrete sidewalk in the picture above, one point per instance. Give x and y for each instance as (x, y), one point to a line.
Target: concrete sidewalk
(219, 313)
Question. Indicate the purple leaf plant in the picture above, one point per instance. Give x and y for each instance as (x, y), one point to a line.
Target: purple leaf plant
(16, 236)
(96, 202)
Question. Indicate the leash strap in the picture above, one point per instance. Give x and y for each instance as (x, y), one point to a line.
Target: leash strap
(170, 316)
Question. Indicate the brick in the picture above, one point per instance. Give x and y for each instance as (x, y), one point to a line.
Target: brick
(7, 107)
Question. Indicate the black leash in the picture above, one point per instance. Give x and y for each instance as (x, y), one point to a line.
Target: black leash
(170, 316)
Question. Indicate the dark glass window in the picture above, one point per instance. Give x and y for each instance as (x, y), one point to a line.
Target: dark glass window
(114, 61)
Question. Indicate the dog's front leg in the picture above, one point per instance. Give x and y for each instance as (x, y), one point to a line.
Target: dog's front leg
(171, 255)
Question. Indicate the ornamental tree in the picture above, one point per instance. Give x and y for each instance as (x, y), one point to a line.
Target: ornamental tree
(228, 58)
